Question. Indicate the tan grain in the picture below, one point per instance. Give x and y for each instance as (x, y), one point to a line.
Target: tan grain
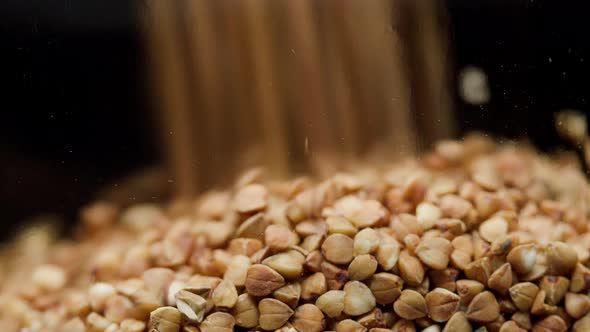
(410, 305)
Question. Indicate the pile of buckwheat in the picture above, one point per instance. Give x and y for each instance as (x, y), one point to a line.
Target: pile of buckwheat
(474, 236)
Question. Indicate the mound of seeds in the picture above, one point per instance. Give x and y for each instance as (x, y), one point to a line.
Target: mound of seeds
(471, 237)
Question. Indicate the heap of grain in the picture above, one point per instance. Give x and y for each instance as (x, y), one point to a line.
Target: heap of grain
(471, 237)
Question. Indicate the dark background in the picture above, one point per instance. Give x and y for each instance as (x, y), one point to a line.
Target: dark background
(536, 56)
(73, 89)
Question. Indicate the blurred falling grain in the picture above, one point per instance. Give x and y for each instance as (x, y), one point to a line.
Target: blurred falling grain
(165, 44)
(296, 86)
(425, 25)
(267, 105)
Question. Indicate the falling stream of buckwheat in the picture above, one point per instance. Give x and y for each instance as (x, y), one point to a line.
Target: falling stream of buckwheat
(295, 85)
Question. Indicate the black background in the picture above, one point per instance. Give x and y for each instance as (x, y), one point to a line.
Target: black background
(75, 111)
(536, 54)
